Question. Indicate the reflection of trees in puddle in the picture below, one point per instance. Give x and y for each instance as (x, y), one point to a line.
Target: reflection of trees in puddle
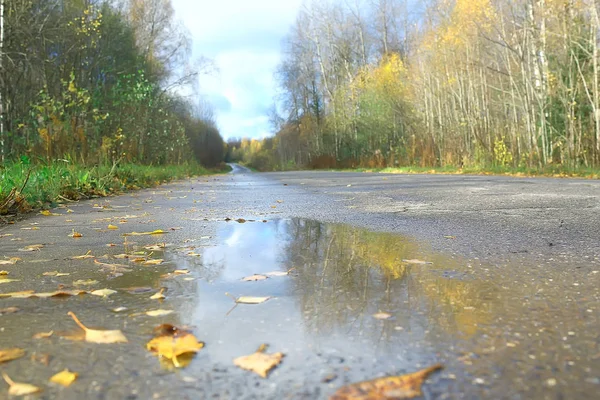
(346, 274)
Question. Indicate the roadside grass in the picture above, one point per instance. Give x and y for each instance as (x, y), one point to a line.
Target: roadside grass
(26, 187)
(550, 171)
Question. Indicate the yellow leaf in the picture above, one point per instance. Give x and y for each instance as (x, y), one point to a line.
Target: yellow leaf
(153, 262)
(11, 261)
(87, 282)
(56, 273)
(251, 300)
(415, 261)
(158, 313)
(43, 335)
(19, 389)
(259, 362)
(156, 232)
(113, 227)
(99, 336)
(382, 315)
(75, 234)
(103, 292)
(393, 387)
(3, 273)
(83, 257)
(64, 378)
(7, 280)
(181, 271)
(11, 354)
(158, 295)
(173, 344)
(32, 247)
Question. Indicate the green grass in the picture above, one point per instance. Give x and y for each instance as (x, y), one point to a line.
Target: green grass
(26, 187)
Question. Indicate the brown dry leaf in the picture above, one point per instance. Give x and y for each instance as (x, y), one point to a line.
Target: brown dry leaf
(86, 282)
(75, 234)
(32, 247)
(43, 335)
(64, 378)
(173, 343)
(157, 261)
(83, 257)
(415, 261)
(255, 277)
(42, 358)
(103, 292)
(11, 354)
(393, 387)
(159, 313)
(10, 261)
(56, 273)
(259, 362)
(158, 295)
(97, 335)
(19, 389)
(8, 310)
(382, 315)
(156, 232)
(113, 227)
(251, 299)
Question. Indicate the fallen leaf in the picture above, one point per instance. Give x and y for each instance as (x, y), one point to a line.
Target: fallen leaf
(47, 213)
(11, 354)
(157, 261)
(64, 378)
(6, 235)
(449, 237)
(156, 232)
(113, 227)
(86, 282)
(56, 273)
(415, 261)
(259, 362)
(9, 310)
(19, 389)
(255, 277)
(181, 271)
(83, 257)
(158, 313)
(173, 343)
(382, 315)
(240, 220)
(393, 387)
(3, 273)
(158, 295)
(119, 309)
(103, 292)
(156, 247)
(25, 294)
(43, 335)
(32, 247)
(10, 261)
(7, 280)
(75, 234)
(251, 300)
(99, 336)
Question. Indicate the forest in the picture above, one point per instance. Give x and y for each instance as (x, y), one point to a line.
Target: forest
(438, 83)
(98, 84)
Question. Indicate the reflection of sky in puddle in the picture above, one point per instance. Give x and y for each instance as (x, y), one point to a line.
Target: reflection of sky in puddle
(343, 275)
(247, 248)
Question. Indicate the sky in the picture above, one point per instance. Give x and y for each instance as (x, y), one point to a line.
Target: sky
(243, 39)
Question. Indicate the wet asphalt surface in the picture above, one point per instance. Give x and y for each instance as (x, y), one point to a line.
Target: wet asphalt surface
(509, 301)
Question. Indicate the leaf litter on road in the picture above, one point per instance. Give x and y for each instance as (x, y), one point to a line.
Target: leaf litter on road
(174, 344)
(393, 387)
(11, 354)
(64, 378)
(20, 389)
(259, 362)
(255, 277)
(99, 336)
(10, 261)
(416, 261)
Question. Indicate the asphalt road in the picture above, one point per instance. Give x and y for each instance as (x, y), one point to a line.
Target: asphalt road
(508, 300)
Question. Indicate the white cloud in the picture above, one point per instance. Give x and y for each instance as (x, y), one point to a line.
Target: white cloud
(243, 37)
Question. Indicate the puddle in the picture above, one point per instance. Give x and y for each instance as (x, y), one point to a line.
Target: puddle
(501, 330)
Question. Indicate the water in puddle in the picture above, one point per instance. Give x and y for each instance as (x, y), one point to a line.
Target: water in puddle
(502, 331)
